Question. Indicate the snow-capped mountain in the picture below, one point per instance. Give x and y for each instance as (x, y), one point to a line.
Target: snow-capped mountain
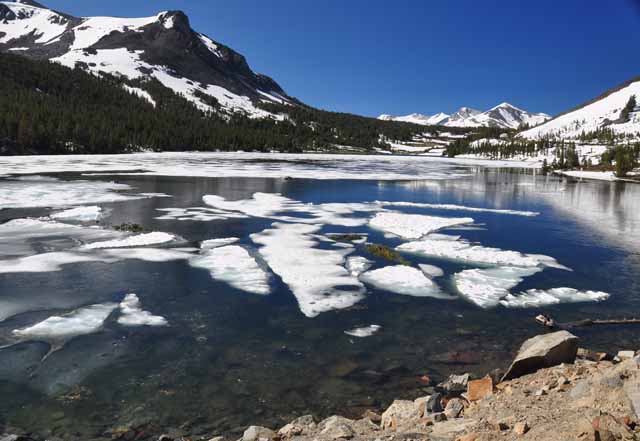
(505, 116)
(163, 47)
(605, 111)
(417, 118)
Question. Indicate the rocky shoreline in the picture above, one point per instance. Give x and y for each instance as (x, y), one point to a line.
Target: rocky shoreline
(553, 391)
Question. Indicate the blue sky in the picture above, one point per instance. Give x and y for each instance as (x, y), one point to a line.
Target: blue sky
(402, 56)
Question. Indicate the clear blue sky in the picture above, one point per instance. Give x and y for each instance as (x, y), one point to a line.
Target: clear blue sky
(403, 56)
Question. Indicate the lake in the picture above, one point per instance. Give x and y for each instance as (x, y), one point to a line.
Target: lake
(294, 312)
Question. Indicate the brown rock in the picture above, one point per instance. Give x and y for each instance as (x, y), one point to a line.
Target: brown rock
(372, 416)
(478, 389)
(521, 428)
(468, 437)
(543, 351)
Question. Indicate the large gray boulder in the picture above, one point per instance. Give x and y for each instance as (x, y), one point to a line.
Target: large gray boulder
(543, 351)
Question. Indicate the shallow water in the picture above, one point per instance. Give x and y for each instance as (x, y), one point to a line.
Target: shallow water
(230, 358)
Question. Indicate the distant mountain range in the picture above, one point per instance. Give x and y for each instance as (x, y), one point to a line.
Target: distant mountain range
(162, 47)
(504, 116)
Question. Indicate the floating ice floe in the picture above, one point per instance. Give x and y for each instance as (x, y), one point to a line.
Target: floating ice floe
(464, 251)
(317, 277)
(216, 243)
(431, 271)
(49, 262)
(454, 207)
(234, 265)
(80, 214)
(80, 322)
(487, 287)
(414, 226)
(405, 280)
(52, 192)
(273, 206)
(357, 265)
(141, 240)
(197, 214)
(22, 237)
(536, 298)
(365, 331)
(132, 314)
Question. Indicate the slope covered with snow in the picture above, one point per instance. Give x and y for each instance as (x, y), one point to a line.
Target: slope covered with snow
(162, 47)
(602, 112)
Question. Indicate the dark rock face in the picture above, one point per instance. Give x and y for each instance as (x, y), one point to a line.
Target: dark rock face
(543, 351)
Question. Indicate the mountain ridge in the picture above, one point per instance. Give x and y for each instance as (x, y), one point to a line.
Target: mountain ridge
(504, 115)
(164, 47)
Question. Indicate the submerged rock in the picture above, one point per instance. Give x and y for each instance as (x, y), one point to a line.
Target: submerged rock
(543, 351)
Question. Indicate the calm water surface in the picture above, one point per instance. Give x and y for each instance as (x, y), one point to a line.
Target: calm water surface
(229, 358)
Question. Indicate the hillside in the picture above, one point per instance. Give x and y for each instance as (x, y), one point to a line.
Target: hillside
(604, 113)
(163, 47)
(49, 108)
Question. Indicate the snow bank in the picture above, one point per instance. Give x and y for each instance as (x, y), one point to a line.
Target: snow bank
(487, 287)
(414, 226)
(536, 298)
(404, 280)
(81, 214)
(132, 314)
(80, 322)
(365, 331)
(140, 240)
(235, 266)
(317, 278)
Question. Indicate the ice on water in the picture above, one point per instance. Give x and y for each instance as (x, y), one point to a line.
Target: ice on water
(132, 314)
(536, 298)
(80, 322)
(402, 279)
(234, 265)
(365, 331)
(316, 277)
(414, 226)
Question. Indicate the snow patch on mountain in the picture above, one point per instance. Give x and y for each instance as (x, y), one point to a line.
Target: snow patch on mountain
(601, 113)
(24, 20)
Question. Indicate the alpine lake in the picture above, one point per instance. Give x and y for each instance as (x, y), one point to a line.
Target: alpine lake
(221, 356)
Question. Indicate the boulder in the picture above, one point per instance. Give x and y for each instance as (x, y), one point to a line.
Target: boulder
(543, 351)
(399, 412)
(454, 385)
(258, 433)
(454, 408)
(478, 389)
(303, 425)
(336, 427)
